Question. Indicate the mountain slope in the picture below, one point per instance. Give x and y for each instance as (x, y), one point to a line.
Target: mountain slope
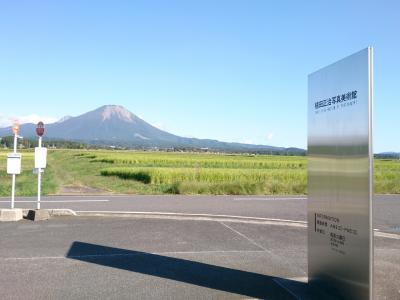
(115, 125)
(107, 123)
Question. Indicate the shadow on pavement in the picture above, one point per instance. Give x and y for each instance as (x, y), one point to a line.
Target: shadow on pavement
(200, 274)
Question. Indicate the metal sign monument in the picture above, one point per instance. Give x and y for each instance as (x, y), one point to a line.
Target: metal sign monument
(340, 249)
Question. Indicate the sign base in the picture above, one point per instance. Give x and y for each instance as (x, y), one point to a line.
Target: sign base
(38, 215)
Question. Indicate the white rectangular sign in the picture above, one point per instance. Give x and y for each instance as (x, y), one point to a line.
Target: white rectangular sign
(14, 163)
(40, 157)
(340, 251)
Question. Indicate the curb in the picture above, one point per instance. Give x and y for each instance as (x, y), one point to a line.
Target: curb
(56, 212)
(10, 214)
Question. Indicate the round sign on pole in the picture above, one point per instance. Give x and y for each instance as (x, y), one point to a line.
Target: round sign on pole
(40, 129)
(15, 128)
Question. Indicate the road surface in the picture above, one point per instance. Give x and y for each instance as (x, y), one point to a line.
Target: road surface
(122, 258)
(386, 208)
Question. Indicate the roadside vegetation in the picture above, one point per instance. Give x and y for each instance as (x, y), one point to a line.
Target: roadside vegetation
(131, 172)
(26, 182)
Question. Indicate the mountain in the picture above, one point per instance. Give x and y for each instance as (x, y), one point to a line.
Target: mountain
(115, 125)
(390, 155)
(65, 118)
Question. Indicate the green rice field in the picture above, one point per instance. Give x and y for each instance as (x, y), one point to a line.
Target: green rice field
(131, 172)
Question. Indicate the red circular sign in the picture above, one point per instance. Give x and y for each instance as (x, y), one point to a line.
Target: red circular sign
(40, 128)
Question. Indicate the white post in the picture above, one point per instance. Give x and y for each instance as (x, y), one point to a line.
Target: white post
(13, 176)
(15, 143)
(13, 191)
(39, 177)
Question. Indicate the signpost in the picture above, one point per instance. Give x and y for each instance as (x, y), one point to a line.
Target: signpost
(40, 159)
(14, 162)
(340, 249)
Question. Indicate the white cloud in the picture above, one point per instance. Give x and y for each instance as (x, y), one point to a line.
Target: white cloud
(247, 141)
(270, 136)
(159, 125)
(6, 121)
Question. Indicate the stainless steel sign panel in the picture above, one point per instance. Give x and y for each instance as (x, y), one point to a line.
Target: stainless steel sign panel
(340, 248)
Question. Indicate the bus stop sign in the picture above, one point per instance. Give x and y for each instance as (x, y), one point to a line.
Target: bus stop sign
(40, 129)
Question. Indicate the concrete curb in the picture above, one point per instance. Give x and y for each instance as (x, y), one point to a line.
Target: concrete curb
(56, 212)
(10, 215)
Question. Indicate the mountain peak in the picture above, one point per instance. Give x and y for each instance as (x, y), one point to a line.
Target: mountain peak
(116, 111)
(63, 119)
(115, 125)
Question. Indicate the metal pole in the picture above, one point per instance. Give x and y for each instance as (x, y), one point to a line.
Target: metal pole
(13, 191)
(15, 143)
(39, 177)
(13, 176)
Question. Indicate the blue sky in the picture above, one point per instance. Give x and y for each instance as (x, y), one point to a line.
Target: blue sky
(228, 70)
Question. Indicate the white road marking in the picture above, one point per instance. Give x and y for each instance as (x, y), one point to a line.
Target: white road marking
(386, 235)
(86, 212)
(299, 279)
(277, 281)
(131, 254)
(268, 199)
(277, 257)
(57, 201)
(186, 216)
(215, 218)
(244, 236)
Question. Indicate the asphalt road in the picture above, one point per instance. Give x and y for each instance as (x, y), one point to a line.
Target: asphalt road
(120, 258)
(386, 208)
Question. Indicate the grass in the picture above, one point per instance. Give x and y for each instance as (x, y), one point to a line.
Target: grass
(217, 180)
(186, 160)
(129, 172)
(387, 176)
(26, 182)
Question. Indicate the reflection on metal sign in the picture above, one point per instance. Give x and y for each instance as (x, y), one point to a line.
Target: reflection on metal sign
(340, 248)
